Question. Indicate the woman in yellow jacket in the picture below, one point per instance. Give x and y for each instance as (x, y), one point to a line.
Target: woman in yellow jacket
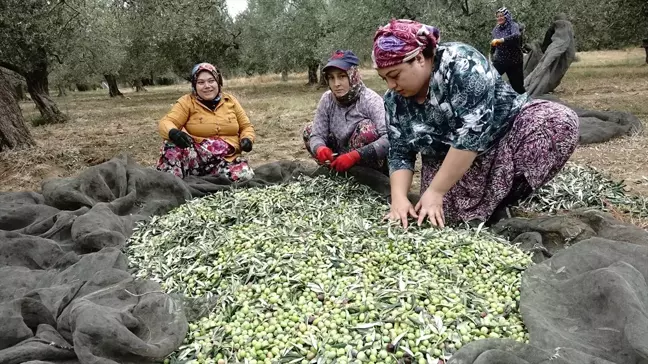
(206, 131)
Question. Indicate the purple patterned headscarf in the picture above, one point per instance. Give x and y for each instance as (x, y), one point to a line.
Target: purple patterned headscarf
(402, 40)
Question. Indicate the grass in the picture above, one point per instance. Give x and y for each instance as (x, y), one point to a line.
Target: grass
(612, 80)
(100, 127)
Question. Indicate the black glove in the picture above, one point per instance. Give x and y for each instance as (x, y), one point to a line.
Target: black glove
(180, 138)
(246, 145)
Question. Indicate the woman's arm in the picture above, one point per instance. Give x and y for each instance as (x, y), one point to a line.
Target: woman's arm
(515, 35)
(401, 160)
(473, 127)
(401, 207)
(400, 182)
(246, 130)
(375, 111)
(176, 118)
(320, 127)
(454, 166)
(400, 156)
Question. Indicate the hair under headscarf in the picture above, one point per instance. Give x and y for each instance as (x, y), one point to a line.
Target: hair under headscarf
(503, 30)
(200, 67)
(401, 40)
(356, 87)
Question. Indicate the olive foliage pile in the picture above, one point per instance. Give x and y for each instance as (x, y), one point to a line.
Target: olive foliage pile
(308, 272)
(578, 187)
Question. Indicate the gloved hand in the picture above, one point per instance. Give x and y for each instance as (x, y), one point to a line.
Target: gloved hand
(324, 154)
(246, 145)
(180, 138)
(346, 161)
(496, 42)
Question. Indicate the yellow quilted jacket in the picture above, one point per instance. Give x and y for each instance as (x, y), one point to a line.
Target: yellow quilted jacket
(228, 121)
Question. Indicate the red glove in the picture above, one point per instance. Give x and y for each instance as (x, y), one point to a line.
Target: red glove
(346, 161)
(324, 154)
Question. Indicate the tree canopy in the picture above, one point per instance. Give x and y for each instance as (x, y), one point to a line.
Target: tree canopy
(73, 42)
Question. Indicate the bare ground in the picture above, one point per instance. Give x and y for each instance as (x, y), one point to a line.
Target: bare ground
(101, 127)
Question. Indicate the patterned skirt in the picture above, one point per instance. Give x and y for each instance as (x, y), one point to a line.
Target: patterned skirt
(541, 140)
(203, 159)
(365, 133)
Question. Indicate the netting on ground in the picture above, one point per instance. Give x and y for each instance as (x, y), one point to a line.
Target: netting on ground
(68, 296)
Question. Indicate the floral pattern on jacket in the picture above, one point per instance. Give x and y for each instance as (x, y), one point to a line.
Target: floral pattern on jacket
(468, 107)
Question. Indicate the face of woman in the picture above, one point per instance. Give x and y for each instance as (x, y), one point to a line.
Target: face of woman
(207, 86)
(409, 78)
(501, 19)
(338, 81)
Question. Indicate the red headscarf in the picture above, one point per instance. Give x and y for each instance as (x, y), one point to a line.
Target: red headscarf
(402, 40)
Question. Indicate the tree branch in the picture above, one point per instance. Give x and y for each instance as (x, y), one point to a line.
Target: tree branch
(78, 13)
(13, 67)
(58, 58)
(54, 7)
(465, 7)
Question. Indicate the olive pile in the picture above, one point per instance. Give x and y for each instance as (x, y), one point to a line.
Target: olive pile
(308, 272)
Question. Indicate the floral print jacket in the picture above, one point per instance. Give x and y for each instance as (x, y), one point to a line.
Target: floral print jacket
(468, 107)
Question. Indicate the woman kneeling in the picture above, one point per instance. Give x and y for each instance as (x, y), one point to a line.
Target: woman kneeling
(206, 131)
(349, 126)
(483, 145)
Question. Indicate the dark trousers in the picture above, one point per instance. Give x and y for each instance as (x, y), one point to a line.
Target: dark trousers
(515, 74)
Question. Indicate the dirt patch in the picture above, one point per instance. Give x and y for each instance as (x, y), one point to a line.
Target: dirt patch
(614, 80)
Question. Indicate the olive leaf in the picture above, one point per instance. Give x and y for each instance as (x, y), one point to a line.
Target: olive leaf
(308, 272)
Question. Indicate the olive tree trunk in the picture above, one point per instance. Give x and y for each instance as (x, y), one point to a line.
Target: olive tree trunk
(312, 73)
(323, 81)
(13, 130)
(113, 89)
(38, 88)
(139, 85)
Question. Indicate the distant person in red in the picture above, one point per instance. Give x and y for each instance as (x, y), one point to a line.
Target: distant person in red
(349, 127)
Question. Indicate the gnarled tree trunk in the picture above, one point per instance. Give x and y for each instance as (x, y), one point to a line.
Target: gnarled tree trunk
(113, 89)
(15, 82)
(61, 90)
(20, 91)
(284, 75)
(312, 73)
(139, 86)
(13, 131)
(38, 88)
(323, 81)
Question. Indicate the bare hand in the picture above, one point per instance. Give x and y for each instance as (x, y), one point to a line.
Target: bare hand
(431, 205)
(400, 209)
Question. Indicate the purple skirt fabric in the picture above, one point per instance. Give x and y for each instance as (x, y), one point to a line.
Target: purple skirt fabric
(541, 140)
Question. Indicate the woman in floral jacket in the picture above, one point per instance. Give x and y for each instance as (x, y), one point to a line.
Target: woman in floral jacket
(483, 145)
